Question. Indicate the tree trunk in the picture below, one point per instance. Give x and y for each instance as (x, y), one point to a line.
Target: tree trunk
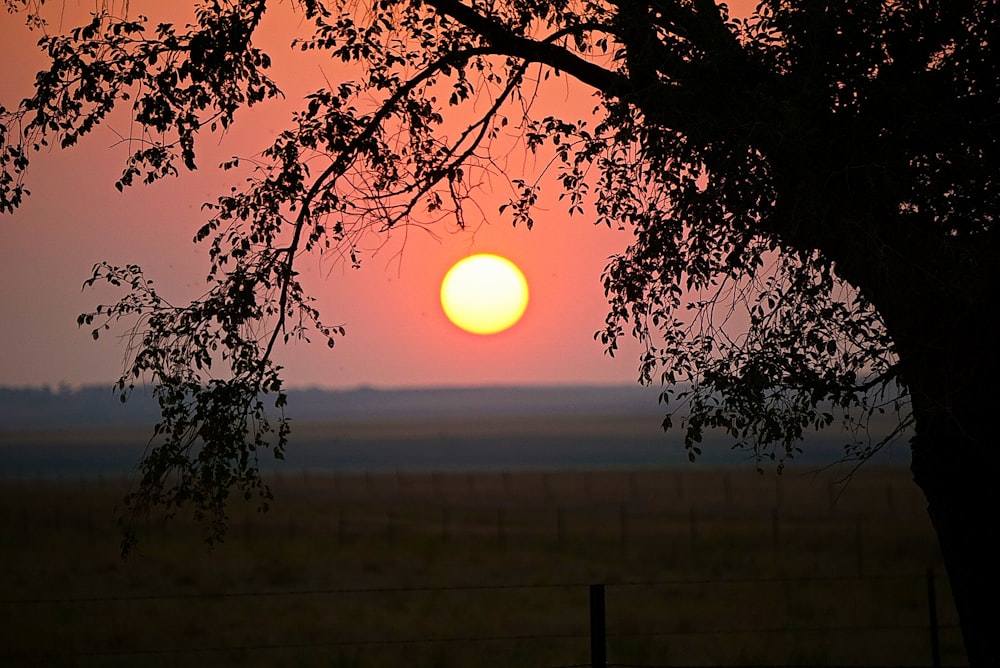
(961, 480)
(951, 375)
(939, 301)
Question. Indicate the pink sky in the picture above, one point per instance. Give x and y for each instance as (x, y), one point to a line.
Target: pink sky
(397, 334)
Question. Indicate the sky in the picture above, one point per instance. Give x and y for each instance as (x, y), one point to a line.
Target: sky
(397, 333)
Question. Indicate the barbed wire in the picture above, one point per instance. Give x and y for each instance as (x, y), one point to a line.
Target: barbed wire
(293, 646)
(611, 634)
(459, 588)
(461, 639)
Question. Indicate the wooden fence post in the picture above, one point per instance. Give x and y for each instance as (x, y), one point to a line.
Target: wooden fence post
(623, 525)
(598, 628)
(693, 530)
(560, 526)
(776, 535)
(933, 619)
(859, 546)
(501, 528)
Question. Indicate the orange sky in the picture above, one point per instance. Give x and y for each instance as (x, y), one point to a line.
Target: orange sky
(397, 334)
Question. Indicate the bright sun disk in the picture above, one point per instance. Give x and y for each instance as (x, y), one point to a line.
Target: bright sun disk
(484, 294)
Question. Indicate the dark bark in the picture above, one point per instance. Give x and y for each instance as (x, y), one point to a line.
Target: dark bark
(949, 361)
(958, 469)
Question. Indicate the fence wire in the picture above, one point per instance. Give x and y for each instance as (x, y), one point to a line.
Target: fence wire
(360, 643)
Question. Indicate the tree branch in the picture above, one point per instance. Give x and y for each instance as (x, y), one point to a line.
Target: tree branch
(507, 42)
(340, 165)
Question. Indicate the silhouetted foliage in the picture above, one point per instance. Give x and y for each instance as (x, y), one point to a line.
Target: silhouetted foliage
(811, 189)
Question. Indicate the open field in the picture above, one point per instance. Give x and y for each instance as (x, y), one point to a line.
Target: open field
(703, 566)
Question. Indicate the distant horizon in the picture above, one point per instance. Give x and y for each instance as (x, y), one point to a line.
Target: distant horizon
(75, 387)
(46, 431)
(39, 408)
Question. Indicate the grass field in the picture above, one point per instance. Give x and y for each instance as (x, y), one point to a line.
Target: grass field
(701, 566)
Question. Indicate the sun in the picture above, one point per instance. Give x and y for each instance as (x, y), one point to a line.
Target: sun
(484, 294)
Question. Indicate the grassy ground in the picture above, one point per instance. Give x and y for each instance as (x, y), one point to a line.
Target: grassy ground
(701, 566)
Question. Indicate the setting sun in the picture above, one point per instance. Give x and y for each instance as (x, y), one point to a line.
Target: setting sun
(484, 294)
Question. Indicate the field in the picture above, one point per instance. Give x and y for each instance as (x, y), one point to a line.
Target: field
(701, 567)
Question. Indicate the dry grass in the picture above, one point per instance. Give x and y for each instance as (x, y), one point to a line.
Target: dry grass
(703, 566)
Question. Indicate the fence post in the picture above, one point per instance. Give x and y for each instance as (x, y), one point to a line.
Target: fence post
(501, 528)
(858, 546)
(623, 524)
(598, 628)
(933, 619)
(693, 530)
(560, 526)
(776, 535)
(445, 533)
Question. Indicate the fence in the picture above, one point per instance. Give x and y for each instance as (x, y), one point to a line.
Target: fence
(615, 639)
(711, 568)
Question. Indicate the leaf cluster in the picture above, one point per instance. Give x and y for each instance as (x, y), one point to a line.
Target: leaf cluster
(175, 80)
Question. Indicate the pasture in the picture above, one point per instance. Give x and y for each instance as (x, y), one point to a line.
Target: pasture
(702, 566)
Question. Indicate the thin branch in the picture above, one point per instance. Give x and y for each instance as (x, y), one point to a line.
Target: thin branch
(339, 167)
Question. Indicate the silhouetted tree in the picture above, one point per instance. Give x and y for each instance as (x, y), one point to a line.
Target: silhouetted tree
(818, 182)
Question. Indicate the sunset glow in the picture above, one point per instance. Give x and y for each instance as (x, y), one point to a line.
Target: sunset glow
(78, 217)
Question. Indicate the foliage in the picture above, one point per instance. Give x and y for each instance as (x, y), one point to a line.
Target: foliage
(755, 160)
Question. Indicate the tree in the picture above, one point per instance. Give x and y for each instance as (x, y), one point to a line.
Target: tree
(812, 191)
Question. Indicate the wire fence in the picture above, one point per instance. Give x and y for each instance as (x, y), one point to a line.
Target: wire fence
(487, 570)
(613, 635)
